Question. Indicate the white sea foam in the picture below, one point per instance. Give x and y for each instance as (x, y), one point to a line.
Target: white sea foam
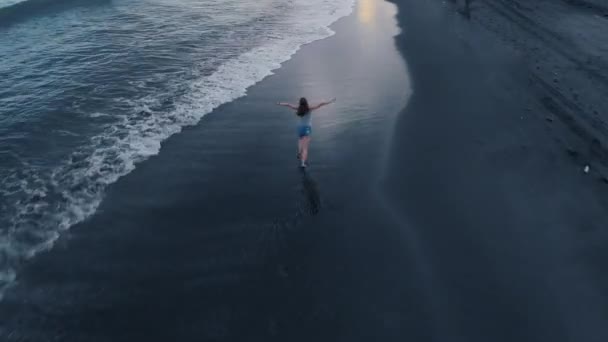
(6, 3)
(73, 191)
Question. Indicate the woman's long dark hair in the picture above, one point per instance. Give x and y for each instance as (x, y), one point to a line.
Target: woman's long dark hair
(303, 108)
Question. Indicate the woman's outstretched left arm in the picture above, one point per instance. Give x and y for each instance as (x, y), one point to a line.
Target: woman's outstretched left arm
(323, 104)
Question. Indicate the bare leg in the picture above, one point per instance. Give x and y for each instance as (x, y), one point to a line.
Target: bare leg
(305, 141)
(300, 148)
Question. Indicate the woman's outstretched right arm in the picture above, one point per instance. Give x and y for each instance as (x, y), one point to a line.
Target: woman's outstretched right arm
(285, 104)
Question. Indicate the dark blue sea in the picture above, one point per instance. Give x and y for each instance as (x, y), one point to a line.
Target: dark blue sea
(90, 88)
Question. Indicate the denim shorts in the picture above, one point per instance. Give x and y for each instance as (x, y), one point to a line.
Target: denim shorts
(304, 131)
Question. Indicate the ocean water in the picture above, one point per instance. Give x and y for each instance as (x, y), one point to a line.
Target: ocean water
(88, 89)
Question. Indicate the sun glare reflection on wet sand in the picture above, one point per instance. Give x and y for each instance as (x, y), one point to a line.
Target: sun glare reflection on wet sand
(367, 11)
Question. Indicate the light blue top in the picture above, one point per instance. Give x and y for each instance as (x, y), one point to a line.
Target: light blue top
(305, 120)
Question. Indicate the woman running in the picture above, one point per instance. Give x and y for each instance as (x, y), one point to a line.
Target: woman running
(304, 113)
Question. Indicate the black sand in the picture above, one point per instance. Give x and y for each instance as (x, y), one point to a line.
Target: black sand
(467, 217)
(488, 166)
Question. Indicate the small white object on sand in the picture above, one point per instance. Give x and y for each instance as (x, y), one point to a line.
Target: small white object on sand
(586, 169)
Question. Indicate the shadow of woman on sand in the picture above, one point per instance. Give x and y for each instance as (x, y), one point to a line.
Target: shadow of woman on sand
(312, 197)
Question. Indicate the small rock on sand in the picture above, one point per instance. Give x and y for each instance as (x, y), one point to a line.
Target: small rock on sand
(572, 152)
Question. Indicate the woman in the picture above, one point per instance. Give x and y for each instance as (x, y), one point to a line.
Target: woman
(304, 113)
